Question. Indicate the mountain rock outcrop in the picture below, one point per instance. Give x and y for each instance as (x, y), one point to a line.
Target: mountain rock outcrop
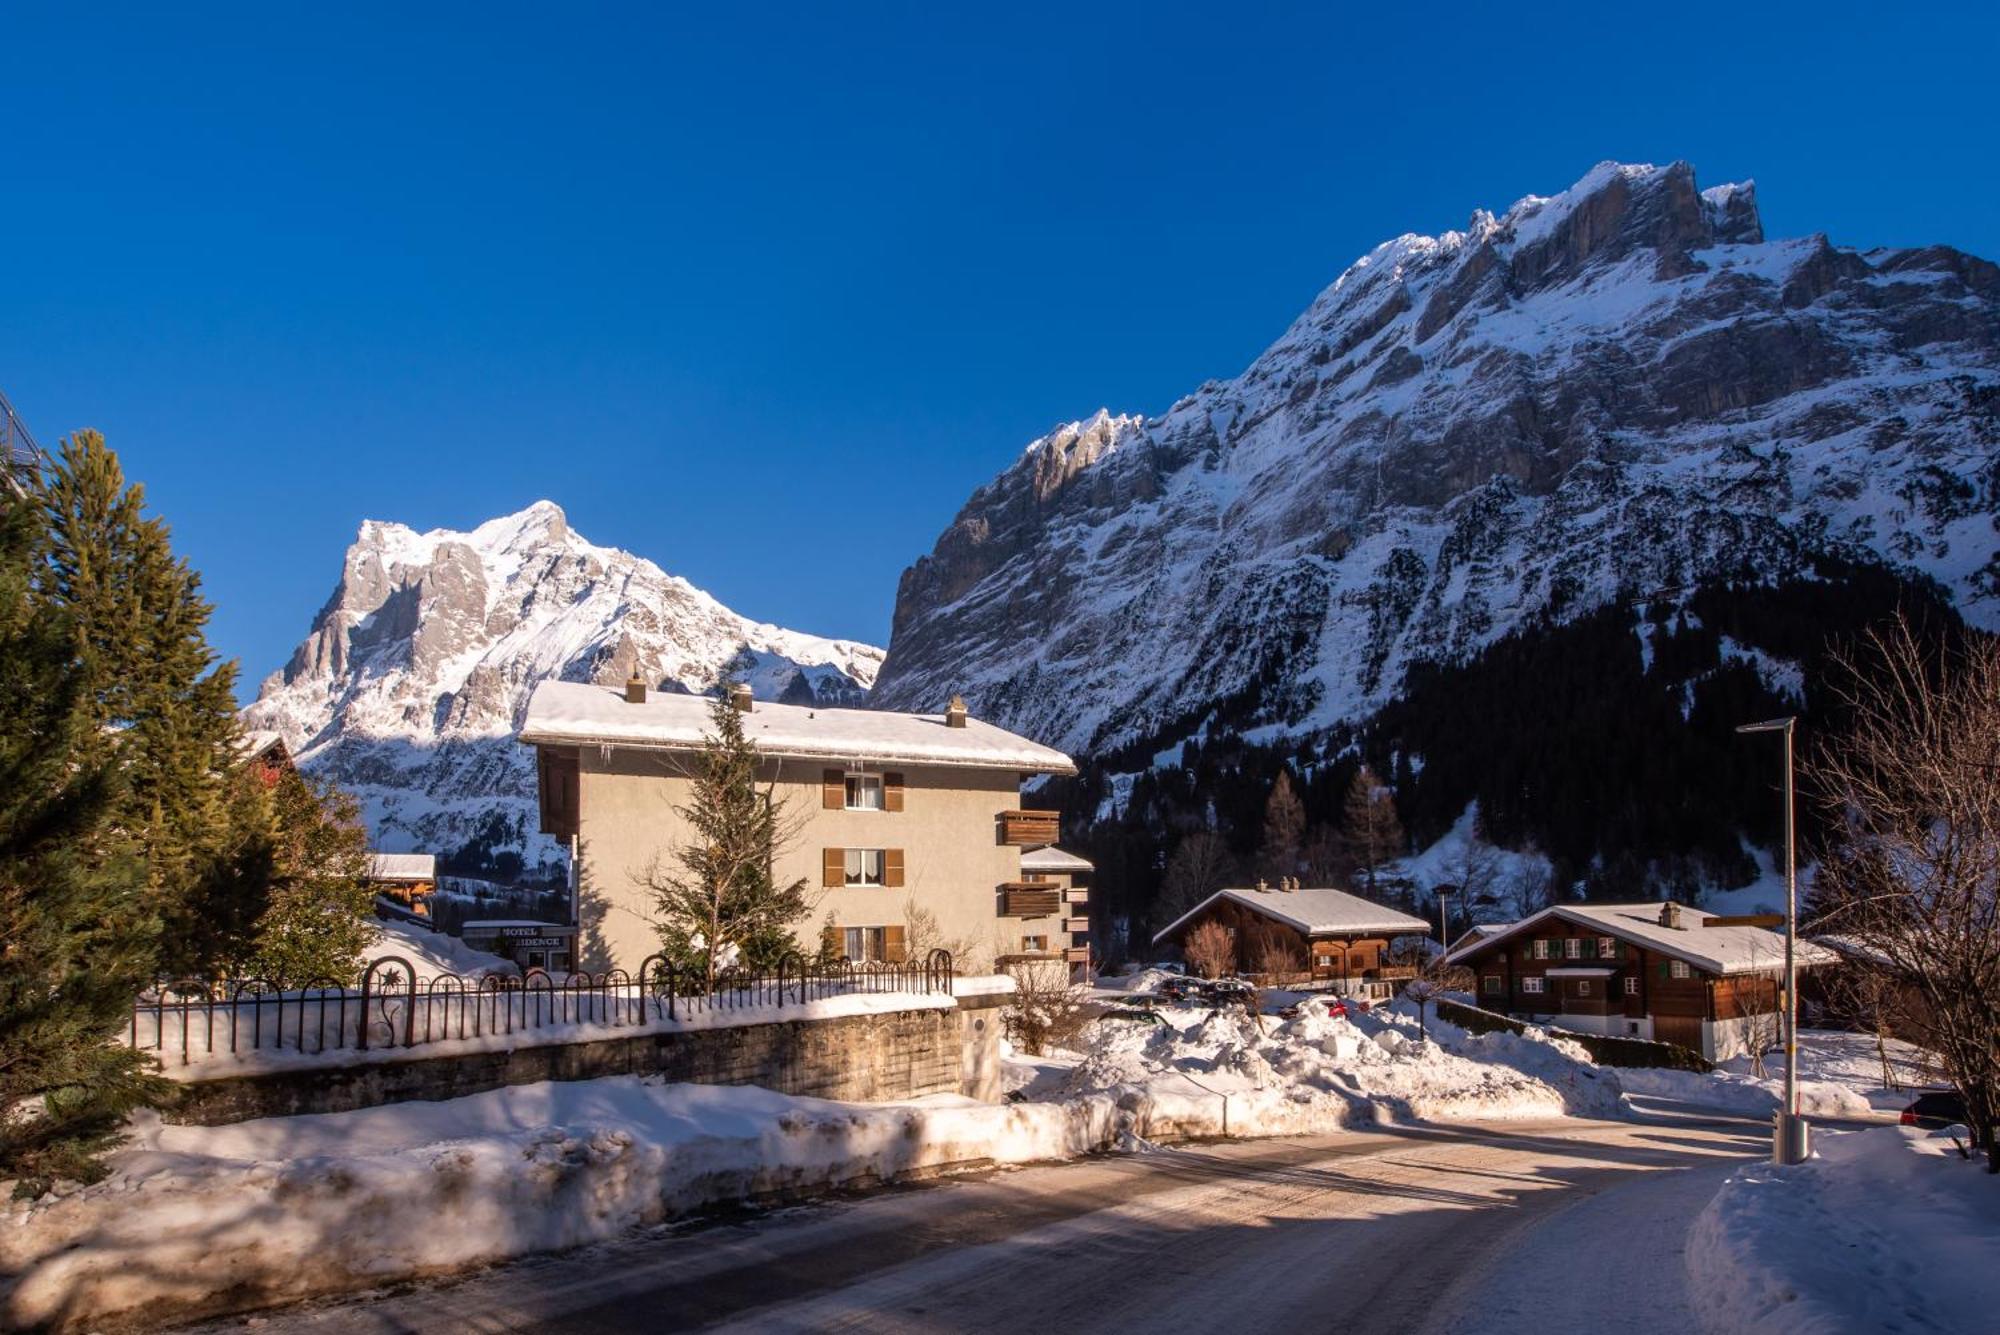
(414, 677)
(1620, 389)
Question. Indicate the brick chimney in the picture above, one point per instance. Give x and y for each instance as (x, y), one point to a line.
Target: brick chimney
(739, 696)
(954, 713)
(635, 689)
(1670, 914)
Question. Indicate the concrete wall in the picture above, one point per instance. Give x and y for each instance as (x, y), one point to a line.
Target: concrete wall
(858, 1058)
(953, 860)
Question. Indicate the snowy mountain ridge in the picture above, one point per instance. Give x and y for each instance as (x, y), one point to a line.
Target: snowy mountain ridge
(410, 685)
(1620, 388)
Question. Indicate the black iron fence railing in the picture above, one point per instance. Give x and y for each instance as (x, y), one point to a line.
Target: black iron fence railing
(395, 1009)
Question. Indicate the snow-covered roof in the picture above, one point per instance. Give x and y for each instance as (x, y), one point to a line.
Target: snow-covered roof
(1314, 912)
(562, 711)
(251, 745)
(1049, 858)
(1721, 950)
(402, 867)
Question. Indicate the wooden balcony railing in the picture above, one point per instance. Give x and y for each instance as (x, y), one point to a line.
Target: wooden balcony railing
(1025, 829)
(1077, 955)
(1076, 926)
(1020, 899)
(1077, 896)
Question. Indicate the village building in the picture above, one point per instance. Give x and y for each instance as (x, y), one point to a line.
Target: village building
(405, 879)
(890, 818)
(1331, 933)
(1660, 971)
(1066, 918)
(527, 943)
(267, 754)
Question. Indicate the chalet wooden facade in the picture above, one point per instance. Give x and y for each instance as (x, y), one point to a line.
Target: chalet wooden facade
(1659, 970)
(409, 879)
(1334, 934)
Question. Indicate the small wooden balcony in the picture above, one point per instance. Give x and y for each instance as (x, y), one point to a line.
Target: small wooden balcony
(1077, 896)
(1076, 926)
(1030, 829)
(1024, 899)
(1077, 955)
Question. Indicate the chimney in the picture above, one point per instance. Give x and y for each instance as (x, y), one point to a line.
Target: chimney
(954, 713)
(635, 689)
(739, 696)
(1262, 885)
(1670, 914)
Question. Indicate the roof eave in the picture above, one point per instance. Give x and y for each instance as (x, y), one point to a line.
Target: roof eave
(527, 737)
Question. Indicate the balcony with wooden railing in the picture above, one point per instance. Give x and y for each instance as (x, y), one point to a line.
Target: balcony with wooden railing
(1077, 896)
(1025, 899)
(1076, 926)
(1077, 954)
(1030, 829)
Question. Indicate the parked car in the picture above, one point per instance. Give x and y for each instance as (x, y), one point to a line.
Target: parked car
(1935, 1108)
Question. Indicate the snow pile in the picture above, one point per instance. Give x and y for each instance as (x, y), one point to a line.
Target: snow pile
(195, 1218)
(1226, 1072)
(434, 953)
(1883, 1229)
(1840, 1076)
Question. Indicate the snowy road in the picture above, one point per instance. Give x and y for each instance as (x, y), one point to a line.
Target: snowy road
(1438, 1229)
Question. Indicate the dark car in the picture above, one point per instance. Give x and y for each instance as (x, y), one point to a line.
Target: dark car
(1935, 1108)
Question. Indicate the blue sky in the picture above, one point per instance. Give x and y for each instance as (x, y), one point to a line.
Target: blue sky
(728, 282)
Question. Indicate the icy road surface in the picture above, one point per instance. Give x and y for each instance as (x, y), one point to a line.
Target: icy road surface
(1405, 1230)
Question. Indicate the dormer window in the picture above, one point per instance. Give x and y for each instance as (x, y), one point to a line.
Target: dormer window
(864, 792)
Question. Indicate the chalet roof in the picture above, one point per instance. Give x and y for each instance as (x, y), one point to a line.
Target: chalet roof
(1049, 858)
(1722, 950)
(402, 866)
(1312, 911)
(254, 745)
(562, 711)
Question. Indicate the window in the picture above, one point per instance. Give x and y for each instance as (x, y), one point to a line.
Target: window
(1572, 947)
(1541, 949)
(864, 792)
(864, 866)
(1491, 985)
(1631, 987)
(1678, 969)
(1607, 947)
(1034, 945)
(1583, 987)
(864, 944)
(1532, 985)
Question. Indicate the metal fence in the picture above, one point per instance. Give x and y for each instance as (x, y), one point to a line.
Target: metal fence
(393, 1008)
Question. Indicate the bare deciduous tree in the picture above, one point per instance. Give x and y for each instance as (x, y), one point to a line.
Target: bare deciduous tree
(1913, 873)
(1276, 955)
(922, 933)
(1200, 866)
(1209, 949)
(1048, 1010)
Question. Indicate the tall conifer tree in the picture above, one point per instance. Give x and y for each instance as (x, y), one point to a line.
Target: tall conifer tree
(77, 927)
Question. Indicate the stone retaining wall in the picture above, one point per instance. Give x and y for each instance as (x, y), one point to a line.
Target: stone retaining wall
(870, 1058)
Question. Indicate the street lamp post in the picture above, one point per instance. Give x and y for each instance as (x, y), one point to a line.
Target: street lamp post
(1789, 1134)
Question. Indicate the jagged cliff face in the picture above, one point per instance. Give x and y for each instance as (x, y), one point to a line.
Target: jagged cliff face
(1616, 390)
(414, 677)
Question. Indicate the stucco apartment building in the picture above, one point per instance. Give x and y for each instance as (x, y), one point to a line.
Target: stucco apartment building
(889, 811)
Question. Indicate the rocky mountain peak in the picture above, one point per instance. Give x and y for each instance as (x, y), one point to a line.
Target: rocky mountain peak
(1622, 385)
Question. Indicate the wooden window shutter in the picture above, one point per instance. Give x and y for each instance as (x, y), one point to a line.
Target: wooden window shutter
(895, 949)
(833, 866)
(892, 868)
(832, 790)
(892, 792)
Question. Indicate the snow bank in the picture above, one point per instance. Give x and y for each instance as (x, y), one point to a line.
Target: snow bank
(1840, 1075)
(1883, 1229)
(434, 953)
(1223, 1072)
(266, 1211)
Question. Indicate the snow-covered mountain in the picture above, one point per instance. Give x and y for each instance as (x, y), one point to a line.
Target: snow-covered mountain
(415, 674)
(1618, 389)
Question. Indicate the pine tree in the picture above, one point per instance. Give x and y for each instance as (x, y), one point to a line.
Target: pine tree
(1284, 827)
(318, 903)
(1374, 834)
(720, 902)
(162, 707)
(77, 935)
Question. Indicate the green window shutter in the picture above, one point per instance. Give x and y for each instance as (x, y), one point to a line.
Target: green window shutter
(1590, 947)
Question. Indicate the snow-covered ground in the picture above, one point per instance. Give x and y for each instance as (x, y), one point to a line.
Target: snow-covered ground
(434, 953)
(1882, 1229)
(1840, 1075)
(285, 1207)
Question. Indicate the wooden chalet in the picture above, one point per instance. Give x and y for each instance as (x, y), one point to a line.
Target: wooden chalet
(1339, 935)
(1660, 971)
(407, 878)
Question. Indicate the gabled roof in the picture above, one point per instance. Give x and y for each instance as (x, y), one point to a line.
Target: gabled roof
(569, 712)
(1314, 912)
(256, 745)
(1049, 858)
(402, 866)
(1718, 950)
